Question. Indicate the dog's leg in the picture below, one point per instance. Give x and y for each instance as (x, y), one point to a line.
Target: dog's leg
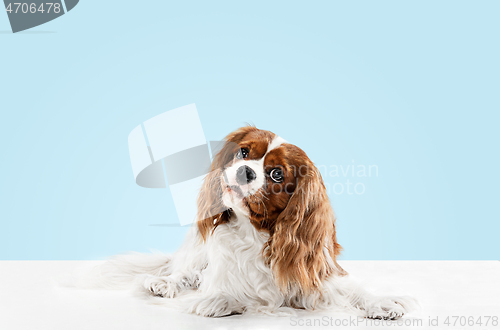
(387, 308)
(171, 285)
(343, 293)
(215, 305)
(184, 271)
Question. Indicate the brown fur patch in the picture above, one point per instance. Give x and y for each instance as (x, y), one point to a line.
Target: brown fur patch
(300, 233)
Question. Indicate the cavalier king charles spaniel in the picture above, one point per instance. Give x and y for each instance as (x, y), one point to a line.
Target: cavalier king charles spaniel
(264, 241)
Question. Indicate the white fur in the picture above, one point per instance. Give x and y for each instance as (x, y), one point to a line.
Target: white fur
(227, 274)
(275, 143)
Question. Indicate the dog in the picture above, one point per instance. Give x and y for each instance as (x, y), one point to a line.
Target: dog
(264, 241)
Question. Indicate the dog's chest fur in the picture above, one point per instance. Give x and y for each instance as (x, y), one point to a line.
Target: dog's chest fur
(235, 260)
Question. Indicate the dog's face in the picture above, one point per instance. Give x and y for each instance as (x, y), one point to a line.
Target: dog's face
(261, 177)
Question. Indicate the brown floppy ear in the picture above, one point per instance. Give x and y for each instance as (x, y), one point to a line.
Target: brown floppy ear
(302, 246)
(211, 211)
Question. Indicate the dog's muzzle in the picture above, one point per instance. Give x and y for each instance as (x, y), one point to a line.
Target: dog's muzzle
(245, 175)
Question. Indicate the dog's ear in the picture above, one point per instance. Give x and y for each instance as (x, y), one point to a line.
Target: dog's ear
(302, 247)
(211, 211)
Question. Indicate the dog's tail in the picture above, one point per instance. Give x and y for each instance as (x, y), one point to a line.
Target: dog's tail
(120, 271)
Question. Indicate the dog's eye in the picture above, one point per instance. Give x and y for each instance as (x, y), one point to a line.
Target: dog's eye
(242, 153)
(277, 175)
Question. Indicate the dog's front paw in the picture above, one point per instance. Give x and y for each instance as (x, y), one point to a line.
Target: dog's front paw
(389, 308)
(163, 286)
(216, 306)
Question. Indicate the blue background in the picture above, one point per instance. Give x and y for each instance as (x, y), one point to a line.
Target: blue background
(409, 86)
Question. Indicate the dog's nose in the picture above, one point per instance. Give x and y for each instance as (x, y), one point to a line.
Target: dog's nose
(245, 175)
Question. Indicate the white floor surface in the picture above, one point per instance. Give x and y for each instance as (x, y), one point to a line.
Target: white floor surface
(452, 295)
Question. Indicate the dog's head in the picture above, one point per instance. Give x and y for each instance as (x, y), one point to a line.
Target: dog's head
(272, 182)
